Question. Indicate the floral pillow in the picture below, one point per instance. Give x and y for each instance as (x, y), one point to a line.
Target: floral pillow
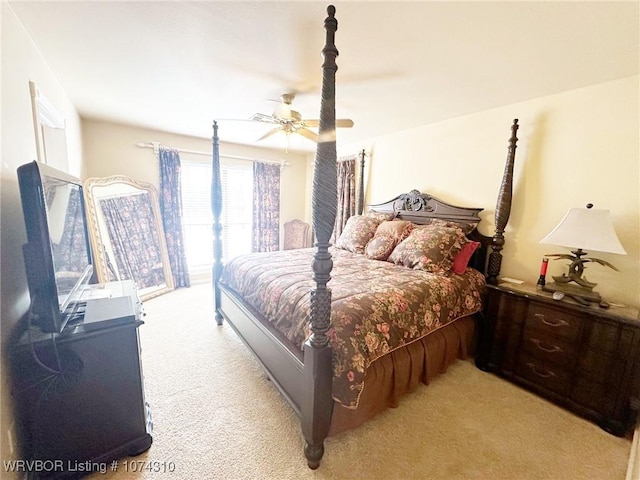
(357, 233)
(399, 229)
(380, 247)
(430, 247)
(382, 216)
(467, 228)
(387, 236)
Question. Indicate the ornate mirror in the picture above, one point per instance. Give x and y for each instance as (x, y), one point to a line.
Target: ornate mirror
(126, 233)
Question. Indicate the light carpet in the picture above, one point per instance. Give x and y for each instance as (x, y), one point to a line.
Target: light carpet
(216, 416)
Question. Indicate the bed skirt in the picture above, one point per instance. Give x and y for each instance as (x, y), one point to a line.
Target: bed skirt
(401, 371)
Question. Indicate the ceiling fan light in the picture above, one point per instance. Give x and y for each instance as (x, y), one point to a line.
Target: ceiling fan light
(295, 116)
(283, 111)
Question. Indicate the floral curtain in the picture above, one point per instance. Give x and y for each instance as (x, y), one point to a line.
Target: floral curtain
(266, 207)
(346, 193)
(171, 210)
(70, 250)
(134, 239)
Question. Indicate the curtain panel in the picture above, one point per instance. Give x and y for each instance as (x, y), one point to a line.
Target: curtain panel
(346, 169)
(266, 207)
(70, 250)
(171, 210)
(127, 233)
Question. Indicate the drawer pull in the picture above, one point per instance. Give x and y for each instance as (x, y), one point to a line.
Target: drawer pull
(551, 323)
(553, 349)
(544, 374)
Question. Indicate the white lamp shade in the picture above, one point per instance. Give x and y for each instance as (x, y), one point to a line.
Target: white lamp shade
(586, 228)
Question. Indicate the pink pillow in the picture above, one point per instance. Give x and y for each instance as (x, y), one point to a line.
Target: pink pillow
(461, 260)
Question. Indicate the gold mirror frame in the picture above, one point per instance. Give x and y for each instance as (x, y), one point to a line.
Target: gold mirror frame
(96, 189)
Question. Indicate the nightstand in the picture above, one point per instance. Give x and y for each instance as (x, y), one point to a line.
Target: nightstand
(584, 358)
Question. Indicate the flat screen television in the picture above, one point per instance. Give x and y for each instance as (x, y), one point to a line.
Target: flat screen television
(57, 254)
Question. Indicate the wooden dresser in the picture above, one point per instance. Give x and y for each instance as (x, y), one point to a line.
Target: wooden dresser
(584, 358)
(79, 395)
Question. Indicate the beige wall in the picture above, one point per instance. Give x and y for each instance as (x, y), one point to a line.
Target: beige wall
(110, 149)
(576, 147)
(21, 63)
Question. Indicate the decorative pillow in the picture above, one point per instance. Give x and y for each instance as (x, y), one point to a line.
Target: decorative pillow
(398, 229)
(380, 247)
(387, 236)
(357, 232)
(382, 216)
(461, 260)
(467, 228)
(431, 248)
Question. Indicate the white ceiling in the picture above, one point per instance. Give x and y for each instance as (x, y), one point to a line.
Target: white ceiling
(176, 66)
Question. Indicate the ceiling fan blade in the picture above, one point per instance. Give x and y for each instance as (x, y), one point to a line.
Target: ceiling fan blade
(269, 133)
(340, 123)
(233, 120)
(307, 134)
(261, 117)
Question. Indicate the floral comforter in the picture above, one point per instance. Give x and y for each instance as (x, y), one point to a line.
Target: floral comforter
(377, 306)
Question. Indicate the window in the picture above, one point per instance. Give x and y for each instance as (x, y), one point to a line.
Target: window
(237, 209)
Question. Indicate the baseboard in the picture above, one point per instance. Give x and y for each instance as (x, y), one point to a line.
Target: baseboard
(633, 467)
(201, 275)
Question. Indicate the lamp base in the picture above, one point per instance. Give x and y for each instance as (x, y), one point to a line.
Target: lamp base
(574, 291)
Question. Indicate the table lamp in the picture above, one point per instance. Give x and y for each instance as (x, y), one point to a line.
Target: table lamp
(582, 228)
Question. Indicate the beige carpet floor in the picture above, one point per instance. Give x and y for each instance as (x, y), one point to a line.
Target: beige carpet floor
(216, 416)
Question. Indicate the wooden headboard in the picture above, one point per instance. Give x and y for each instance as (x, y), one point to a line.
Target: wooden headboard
(419, 208)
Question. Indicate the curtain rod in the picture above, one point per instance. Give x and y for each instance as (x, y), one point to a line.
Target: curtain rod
(156, 147)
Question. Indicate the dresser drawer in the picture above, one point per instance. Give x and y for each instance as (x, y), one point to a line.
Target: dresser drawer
(599, 397)
(555, 322)
(546, 375)
(607, 369)
(547, 348)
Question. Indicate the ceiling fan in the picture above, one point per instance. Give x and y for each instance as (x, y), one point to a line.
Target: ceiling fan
(290, 121)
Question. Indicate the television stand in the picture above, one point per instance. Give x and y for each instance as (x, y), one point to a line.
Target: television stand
(79, 395)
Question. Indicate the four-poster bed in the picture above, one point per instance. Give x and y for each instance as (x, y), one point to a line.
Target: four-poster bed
(297, 338)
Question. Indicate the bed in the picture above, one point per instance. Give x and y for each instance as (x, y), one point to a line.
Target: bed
(345, 330)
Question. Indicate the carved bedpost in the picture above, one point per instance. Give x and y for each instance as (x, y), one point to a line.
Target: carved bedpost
(317, 403)
(360, 194)
(216, 209)
(503, 210)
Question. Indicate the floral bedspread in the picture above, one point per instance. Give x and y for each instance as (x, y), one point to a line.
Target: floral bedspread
(377, 306)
